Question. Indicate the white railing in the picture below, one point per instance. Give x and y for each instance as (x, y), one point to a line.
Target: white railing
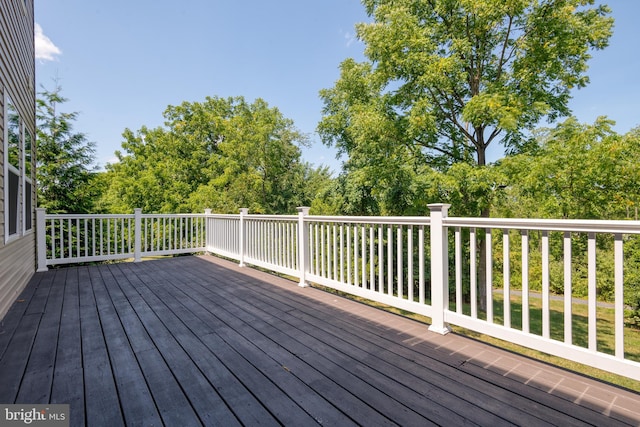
(75, 238)
(493, 276)
(566, 335)
(431, 266)
(267, 241)
(381, 258)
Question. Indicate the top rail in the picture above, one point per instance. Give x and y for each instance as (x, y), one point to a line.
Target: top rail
(404, 220)
(65, 216)
(597, 226)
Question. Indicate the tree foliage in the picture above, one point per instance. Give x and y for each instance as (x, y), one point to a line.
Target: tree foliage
(445, 79)
(576, 171)
(222, 154)
(65, 159)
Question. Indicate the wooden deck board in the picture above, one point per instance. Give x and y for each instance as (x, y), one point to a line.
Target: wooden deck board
(68, 382)
(38, 377)
(225, 349)
(20, 328)
(11, 320)
(283, 408)
(198, 341)
(258, 351)
(235, 319)
(170, 339)
(523, 398)
(396, 363)
(102, 403)
(182, 392)
(386, 395)
(447, 390)
(172, 404)
(136, 401)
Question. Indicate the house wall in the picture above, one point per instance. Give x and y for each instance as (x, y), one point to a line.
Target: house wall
(17, 80)
(17, 264)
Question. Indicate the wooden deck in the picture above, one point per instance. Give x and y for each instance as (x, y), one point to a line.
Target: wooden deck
(199, 341)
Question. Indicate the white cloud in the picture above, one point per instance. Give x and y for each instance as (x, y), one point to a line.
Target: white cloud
(112, 160)
(45, 49)
(349, 37)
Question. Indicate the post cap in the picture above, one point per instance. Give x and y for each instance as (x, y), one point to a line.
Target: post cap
(439, 207)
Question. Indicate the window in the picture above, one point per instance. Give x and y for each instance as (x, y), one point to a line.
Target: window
(13, 135)
(12, 168)
(18, 173)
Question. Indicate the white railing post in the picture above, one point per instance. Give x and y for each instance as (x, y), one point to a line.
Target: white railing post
(243, 212)
(439, 268)
(207, 243)
(137, 235)
(41, 238)
(303, 246)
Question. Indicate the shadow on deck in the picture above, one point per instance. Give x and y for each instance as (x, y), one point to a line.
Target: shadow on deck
(197, 340)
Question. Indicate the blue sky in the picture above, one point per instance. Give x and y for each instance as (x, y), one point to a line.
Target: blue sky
(122, 62)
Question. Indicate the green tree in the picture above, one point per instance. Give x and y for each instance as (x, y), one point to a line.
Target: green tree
(445, 79)
(448, 78)
(575, 171)
(65, 171)
(222, 154)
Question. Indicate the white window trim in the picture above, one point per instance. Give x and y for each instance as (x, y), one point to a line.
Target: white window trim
(26, 179)
(10, 168)
(5, 166)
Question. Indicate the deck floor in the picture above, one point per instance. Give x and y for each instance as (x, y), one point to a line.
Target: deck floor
(199, 341)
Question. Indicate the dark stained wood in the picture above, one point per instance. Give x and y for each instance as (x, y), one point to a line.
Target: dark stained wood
(102, 405)
(136, 401)
(38, 378)
(68, 383)
(13, 317)
(200, 393)
(378, 366)
(243, 317)
(172, 404)
(349, 338)
(196, 341)
(14, 360)
(258, 368)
